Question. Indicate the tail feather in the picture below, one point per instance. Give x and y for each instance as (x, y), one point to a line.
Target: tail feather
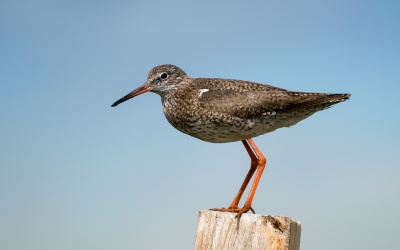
(306, 100)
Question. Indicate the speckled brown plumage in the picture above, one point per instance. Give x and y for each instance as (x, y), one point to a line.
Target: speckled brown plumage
(223, 110)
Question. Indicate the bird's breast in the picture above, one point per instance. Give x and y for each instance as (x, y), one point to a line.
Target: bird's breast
(207, 125)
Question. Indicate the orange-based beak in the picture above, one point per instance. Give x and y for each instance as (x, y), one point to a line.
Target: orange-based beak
(142, 89)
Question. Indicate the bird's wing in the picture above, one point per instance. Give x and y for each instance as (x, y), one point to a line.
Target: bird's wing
(240, 104)
(251, 103)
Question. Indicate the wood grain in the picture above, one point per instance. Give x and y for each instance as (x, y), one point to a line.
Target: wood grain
(222, 231)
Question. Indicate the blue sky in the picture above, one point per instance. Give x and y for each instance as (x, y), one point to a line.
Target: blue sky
(78, 174)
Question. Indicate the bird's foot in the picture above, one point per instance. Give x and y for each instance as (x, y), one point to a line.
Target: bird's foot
(235, 209)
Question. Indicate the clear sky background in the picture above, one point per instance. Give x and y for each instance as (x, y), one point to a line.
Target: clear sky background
(78, 174)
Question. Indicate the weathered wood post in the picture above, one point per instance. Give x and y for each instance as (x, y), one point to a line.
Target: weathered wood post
(222, 231)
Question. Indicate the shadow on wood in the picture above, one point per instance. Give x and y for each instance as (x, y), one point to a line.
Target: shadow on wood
(222, 231)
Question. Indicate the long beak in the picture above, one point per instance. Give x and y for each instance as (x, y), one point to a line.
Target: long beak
(142, 89)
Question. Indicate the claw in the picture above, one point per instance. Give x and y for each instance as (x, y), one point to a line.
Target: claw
(237, 210)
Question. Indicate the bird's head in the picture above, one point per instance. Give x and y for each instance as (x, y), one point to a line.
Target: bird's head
(162, 80)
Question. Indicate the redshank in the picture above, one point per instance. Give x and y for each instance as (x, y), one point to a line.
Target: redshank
(222, 110)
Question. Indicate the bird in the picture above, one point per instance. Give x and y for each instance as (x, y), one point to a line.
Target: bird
(220, 110)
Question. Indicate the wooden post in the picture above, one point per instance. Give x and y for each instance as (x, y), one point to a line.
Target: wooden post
(222, 231)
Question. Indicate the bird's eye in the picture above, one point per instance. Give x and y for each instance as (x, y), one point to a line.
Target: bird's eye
(164, 75)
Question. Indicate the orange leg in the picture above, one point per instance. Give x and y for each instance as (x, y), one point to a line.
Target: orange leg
(258, 162)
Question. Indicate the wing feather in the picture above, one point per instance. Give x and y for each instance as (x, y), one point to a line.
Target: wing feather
(254, 103)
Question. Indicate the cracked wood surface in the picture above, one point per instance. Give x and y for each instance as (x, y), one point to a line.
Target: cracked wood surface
(222, 231)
